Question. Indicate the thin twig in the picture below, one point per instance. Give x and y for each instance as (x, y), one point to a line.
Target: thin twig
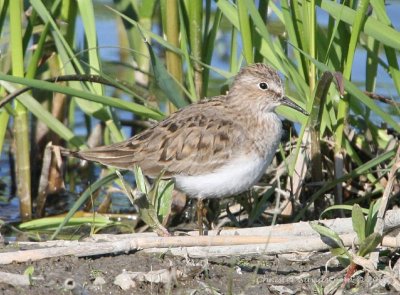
(386, 194)
(80, 78)
(382, 98)
(380, 222)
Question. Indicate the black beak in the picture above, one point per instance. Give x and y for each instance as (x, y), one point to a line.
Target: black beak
(287, 102)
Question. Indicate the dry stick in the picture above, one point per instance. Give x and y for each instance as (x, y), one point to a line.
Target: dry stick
(44, 181)
(380, 222)
(382, 98)
(14, 279)
(339, 171)
(312, 244)
(266, 240)
(299, 229)
(386, 194)
(82, 249)
(257, 244)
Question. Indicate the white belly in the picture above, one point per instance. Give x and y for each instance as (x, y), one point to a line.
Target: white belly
(233, 178)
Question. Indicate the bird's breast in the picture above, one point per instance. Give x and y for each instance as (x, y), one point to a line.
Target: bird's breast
(234, 177)
(268, 135)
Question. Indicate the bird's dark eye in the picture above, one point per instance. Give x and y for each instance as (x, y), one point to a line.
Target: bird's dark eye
(263, 86)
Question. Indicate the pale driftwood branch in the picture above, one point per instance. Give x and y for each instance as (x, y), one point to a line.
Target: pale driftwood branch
(265, 240)
(14, 279)
(204, 246)
(291, 245)
(298, 229)
(82, 249)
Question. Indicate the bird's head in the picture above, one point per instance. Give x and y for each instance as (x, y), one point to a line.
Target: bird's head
(261, 85)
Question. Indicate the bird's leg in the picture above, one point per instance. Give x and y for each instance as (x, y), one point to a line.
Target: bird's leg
(200, 208)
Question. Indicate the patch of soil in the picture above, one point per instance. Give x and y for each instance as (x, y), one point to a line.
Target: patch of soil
(283, 274)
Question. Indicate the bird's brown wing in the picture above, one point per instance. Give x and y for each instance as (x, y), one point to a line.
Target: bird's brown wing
(189, 142)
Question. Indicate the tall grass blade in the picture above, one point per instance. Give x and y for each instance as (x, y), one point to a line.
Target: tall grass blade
(166, 83)
(82, 199)
(172, 59)
(195, 8)
(21, 127)
(43, 115)
(245, 32)
(372, 27)
(358, 220)
(106, 100)
(343, 103)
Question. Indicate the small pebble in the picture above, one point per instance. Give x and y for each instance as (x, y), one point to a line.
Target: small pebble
(98, 281)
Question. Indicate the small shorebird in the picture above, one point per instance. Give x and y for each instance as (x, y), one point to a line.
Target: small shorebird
(214, 148)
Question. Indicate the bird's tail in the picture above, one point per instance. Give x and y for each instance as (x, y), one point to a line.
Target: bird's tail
(106, 155)
(66, 152)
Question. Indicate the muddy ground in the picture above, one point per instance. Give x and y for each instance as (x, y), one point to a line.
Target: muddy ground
(280, 274)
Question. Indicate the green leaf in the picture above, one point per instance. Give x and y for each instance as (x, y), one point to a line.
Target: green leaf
(148, 214)
(358, 220)
(320, 99)
(140, 179)
(89, 24)
(4, 118)
(51, 223)
(29, 271)
(341, 207)
(166, 83)
(369, 244)
(209, 45)
(228, 9)
(372, 217)
(341, 255)
(245, 31)
(148, 210)
(330, 234)
(164, 199)
(186, 53)
(146, 8)
(337, 251)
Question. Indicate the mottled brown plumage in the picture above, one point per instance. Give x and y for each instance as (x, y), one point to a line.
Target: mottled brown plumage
(194, 140)
(204, 138)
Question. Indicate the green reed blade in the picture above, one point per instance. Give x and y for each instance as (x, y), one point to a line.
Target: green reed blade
(106, 100)
(21, 126)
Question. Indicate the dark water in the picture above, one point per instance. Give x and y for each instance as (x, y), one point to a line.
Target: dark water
(108, 44)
